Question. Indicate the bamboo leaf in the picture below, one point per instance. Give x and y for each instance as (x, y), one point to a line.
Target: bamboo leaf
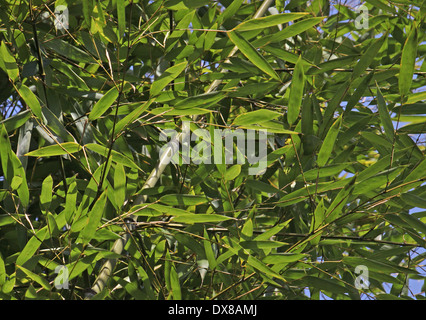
(283, 258)
(203, 101)
(32, 246)
(35, 277)
(168, 76)
(103, 104)
(296, 92)
(252, 54)
(46, 194)
(330, 285)
(119, 185)
(289, 31)
(232, 172)
(256, 116)
(93, 219)
(55, 150)
(115, 155)
(8, 62)
(384, 115)
(13, 171)
(269, 21)
(121, 17)
(31, 100)
(377, 266)
(183, 199)
(408, 60)
(200, 218)
(368, 57)
(328, 144)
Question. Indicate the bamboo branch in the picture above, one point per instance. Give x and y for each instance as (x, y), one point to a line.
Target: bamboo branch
(119, 244)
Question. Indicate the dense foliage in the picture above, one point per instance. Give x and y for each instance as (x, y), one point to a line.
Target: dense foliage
(89, 89)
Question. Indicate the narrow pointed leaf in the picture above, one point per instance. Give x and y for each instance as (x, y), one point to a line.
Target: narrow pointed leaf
(269, 21)
(37, 278)
(296, 92)
(289, 31)
(8, 62)
(408, 60)
(384, 115)
(254, 117)
(368, 57)
(55, 150)
(31, 100)
(328, 144)
(168, 76)
(252, 54)
(93, 219)
(46, 193)
(103, 104)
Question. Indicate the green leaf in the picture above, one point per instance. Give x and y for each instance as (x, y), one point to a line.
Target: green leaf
(183, 199)
(328, 144)
(168, 76)
(272, 231)
(93, 219)
(46, 194)
(16, 121)
(8, 62)
(257, 264)
(68, 50)
(256, 116)
(121, 17)
(296, 92)
(55, 150)
(200, 218)
(262, 244)
(269, 21)
(230, 11)
(329, 285)
(31, 100)
(3, 273)
(119, 185)
(174, 283)
(408, 60)
(414, 200)
(132, 116)
(208, 251)
(70, 202)
(283, 258)
(103, 104)
(377, 266)
(232, 172)
(418, 172)
(32, 246)
(252, 54)
(203, 101)
(37, 278)
(331, 65)
(368, 57)
(318, 217)
(13, 171)
(116, 156)
(384, 115)
(415, 223)
(288, 32)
